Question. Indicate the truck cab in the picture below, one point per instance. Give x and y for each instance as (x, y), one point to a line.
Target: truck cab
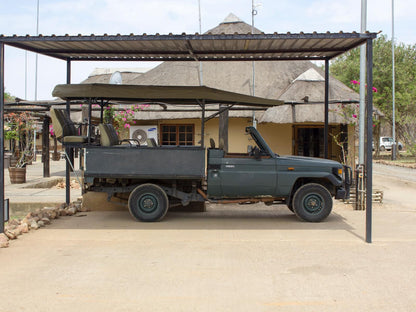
(262, 175)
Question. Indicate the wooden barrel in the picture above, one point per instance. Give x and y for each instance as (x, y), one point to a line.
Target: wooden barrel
(17, 175)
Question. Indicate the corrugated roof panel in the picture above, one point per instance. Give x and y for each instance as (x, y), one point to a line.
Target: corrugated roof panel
(189, 47)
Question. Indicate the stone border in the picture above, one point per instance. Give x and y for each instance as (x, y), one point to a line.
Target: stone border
(37, 219)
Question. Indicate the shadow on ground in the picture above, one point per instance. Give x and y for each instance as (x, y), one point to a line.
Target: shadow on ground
(218, 218)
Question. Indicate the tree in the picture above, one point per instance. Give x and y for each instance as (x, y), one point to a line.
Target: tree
(347, 69)
(8, 97)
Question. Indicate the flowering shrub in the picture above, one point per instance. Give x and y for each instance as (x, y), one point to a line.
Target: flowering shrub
(355, 82)
(122, 119)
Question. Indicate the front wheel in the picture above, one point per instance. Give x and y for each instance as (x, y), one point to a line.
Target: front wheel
(312, 202)
(148, 203)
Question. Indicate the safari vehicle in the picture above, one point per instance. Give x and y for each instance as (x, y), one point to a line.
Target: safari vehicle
(154, 176)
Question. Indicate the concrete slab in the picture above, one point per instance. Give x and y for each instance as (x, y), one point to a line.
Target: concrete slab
(235, 259)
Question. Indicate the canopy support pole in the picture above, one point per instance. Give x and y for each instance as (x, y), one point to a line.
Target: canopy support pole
(202, 104)
(68, 150)
(369, 164)
(45, 148)
(326, 109)
(223, 128)
(2, 136)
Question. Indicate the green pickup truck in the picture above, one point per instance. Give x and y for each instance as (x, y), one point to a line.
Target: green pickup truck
(155, 176)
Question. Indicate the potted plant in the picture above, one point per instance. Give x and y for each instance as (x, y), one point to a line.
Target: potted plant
(20, 134)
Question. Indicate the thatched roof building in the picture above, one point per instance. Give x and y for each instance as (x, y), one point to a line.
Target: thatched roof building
(290, 81)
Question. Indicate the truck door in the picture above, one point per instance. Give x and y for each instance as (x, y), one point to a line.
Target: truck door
(245, 176)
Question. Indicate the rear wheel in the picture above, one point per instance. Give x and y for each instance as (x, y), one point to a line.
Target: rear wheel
(148, 203)
(312, 202)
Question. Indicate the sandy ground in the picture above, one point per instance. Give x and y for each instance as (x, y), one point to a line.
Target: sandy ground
(234, 258)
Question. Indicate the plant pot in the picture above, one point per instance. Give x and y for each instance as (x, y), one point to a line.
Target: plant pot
(13, 161)
(17, 175)
(56, 156)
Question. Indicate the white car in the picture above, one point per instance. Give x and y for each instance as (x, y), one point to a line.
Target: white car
(387, 142)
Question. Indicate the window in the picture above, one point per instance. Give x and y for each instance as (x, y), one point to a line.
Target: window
(177, 134)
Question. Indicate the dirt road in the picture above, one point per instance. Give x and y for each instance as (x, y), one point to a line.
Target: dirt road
(398, 185)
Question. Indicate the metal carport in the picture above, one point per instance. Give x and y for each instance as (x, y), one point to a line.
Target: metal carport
(206, 47)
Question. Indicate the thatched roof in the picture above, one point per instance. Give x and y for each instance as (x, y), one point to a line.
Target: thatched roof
(290, 81)
(103, 75)
(305, 113)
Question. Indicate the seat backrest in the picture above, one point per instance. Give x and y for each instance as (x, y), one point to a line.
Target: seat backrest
(109, 135)
(151, 142)
(57, 123)
(62, 124)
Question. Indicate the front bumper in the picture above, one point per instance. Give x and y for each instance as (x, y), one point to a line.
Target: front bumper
(343, 192)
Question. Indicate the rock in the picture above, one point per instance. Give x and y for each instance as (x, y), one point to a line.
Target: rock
(24, 227)
(71, 211)
(10, 234)
(62, 212)
(4, 241)
(25, 220)
(41, 223)
(10, 227)
(77, 206)
(14, 222)
(36, 219)
(17, 231)
(62, 206)
(29, 216)
(46, 221)
(51, 211)
(34, 225)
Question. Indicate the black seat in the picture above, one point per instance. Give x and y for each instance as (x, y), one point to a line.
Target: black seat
(109, 137)
(64, 128)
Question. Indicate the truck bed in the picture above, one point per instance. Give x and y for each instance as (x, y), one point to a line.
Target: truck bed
(165, 162)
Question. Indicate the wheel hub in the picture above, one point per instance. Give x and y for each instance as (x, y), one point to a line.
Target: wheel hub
(313, 203)
(148, 203)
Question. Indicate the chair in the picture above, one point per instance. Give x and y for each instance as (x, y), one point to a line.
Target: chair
(64, 128)
(151, 142)
(109, 137)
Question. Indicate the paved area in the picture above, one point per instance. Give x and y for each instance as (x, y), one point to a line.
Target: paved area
(230, 258)
(33, 195)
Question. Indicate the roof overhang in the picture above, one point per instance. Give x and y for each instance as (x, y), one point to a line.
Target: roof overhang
(206, 47)
(164, 94)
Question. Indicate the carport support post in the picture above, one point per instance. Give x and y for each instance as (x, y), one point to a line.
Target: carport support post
(45, 148)
(68, 150)
(203, 124)
(223, 128)
(326, 108)
(369, 164)
(2, 136)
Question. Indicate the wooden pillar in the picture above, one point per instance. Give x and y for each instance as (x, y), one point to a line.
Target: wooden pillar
(223, 129)
(45, 148)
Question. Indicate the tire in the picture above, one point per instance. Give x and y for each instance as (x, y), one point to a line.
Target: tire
(290, 205)
(148, 203)
(400, 147)
(382, 148)
(312, 203)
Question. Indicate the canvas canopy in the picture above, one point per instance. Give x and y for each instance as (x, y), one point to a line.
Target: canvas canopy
(166, 94)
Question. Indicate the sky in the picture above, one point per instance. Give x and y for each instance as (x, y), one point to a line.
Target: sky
(97, 17)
